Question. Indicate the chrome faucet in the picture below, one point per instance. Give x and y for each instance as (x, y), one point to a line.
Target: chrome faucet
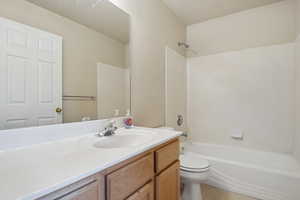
(109, 130)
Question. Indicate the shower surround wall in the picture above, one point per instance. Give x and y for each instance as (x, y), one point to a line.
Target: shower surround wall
(243, 79)
(250, 90)
(297, 133)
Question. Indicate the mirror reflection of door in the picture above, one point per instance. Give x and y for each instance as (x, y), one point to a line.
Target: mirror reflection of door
(31, 70)
(112, 91)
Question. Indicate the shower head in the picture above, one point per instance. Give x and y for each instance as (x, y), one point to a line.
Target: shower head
(185, 45)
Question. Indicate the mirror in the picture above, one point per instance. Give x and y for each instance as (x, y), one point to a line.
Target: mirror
(62, 62)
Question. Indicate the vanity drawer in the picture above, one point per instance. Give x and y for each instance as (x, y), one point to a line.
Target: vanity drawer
(167, 155)
(125, 181)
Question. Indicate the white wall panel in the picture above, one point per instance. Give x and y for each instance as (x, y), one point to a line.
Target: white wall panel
(251, 90)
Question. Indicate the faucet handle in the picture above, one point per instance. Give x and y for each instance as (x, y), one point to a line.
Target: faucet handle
(101, 133)
(112, 124)
(184, 134)
(109, 130)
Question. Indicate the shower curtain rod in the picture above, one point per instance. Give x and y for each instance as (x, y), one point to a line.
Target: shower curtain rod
(79, 98)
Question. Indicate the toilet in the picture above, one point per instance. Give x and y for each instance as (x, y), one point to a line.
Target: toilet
(193, 171)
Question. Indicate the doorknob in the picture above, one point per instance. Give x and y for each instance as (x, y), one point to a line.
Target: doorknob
(58, 110)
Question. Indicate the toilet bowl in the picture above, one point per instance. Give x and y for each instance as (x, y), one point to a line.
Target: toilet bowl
(193, 171)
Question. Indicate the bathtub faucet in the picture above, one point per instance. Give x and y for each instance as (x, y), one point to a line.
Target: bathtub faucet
(184, 134)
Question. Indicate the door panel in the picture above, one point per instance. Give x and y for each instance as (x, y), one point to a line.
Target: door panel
(49, 72)
(19, 41)
(47, 48)
(45, 77)
(46, 121)
(17, 68)
(30, 76)
(16, 72)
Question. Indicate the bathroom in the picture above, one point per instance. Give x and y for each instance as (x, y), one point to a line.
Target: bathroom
(149, 99)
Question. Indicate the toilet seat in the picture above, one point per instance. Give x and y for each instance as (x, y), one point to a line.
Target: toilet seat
(194, 170)
(194, 164)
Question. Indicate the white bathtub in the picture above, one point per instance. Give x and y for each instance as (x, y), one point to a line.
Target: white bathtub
(263, 175)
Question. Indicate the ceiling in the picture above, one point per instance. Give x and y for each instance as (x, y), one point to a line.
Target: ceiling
(103, 17)
(196, 11)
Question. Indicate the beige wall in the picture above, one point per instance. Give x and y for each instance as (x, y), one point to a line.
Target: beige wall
(212, 193)
(82, 49)
(153, 27)
(297, 10)
(176, 89)
(297, 133)
(272, 24)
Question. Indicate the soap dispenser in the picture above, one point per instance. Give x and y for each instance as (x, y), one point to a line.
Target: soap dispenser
(128, 121)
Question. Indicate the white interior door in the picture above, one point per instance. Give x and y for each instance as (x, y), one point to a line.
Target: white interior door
(113, 87)
(175, 89)
(30, 76)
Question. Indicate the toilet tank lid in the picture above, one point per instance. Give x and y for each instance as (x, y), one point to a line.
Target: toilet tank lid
(193, 162)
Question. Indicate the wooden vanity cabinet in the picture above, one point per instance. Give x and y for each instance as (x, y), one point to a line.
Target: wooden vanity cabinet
(152, 175)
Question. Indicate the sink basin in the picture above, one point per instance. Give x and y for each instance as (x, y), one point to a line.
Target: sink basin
(123, 141)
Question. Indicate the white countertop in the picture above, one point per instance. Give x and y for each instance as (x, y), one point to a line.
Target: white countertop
(32, 172)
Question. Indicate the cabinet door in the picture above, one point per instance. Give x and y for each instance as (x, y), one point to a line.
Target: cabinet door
(166, 156)
(168, 184)
(89, 192)
(146, 193)
(90, 188)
